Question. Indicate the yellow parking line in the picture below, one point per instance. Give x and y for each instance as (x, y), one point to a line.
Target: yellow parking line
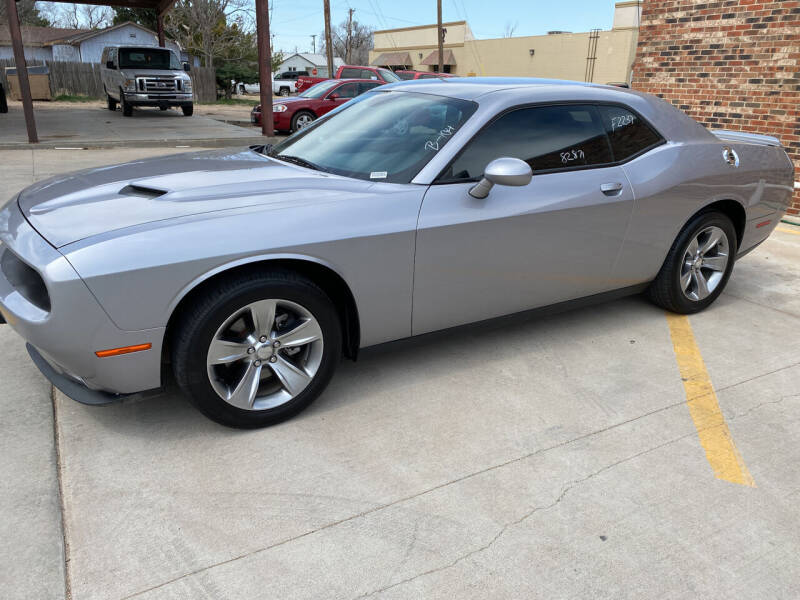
(715, 437)
(784, 230)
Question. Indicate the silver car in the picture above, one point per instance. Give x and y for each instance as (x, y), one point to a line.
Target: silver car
(420, 206)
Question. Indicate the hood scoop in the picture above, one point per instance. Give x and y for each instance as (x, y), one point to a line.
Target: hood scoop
(141, 191)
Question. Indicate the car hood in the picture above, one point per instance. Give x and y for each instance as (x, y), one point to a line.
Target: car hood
(69, 208)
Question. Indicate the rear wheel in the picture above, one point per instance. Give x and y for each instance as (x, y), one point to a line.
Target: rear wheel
(188, 111)
(698, 265)
(284, 91)
(302, 120)
(257, 349)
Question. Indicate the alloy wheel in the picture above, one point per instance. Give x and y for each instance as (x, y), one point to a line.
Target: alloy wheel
(303, 121)
(265, 354)
(704, 263)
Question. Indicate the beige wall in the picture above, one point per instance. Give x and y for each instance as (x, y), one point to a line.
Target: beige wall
(559, 56)
(423, 36)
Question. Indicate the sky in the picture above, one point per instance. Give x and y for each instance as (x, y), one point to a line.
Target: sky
(294, 21)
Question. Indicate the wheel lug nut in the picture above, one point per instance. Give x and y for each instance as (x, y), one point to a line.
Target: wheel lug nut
(273, 359)
(263, 338)
(257, 363)
(251, 350)
(276, 344)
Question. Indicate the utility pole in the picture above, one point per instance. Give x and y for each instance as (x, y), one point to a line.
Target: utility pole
(264, 66)
(328, 44)
(348, 52)
(440, 34)
(314, 43)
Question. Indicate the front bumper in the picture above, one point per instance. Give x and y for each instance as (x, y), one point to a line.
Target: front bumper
(136, 99)
(68, 334)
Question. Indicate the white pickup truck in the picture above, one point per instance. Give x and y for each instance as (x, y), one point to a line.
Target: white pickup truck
(282, 85)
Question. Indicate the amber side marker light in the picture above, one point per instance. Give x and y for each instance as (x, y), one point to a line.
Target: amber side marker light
(125, 350)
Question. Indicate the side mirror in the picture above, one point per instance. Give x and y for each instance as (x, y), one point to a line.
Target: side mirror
(502, 171)
(110, 64)
(187, 67)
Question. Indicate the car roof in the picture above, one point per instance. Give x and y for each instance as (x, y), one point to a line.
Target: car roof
(472, 88)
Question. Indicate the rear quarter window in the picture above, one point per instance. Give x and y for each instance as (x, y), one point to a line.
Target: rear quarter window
(628, 133)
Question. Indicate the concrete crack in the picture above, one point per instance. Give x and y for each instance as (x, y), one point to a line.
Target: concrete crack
(61, 499)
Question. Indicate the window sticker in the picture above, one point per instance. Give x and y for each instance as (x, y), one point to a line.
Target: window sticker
(570, 155)
(378, 175)
(621, 121)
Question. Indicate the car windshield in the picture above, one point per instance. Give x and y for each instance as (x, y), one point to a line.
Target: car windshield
(319, 90)
(389, 76)
(381, 136)
(148, 58)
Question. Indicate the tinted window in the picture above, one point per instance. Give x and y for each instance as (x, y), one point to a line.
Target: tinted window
(366, 86)
(350, 74)
(628, 134)
(367, 74)
(547, 137)
(388, 76)
(148, 58)
(405, 75)
(347, 90)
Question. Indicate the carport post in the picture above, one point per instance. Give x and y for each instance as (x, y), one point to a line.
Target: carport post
(22, 70)
(264, 67)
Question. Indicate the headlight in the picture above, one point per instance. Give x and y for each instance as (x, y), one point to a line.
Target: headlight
(187, 85)
(278, 108)
(130, 85)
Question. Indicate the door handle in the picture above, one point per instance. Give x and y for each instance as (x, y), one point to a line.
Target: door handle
(611, 189)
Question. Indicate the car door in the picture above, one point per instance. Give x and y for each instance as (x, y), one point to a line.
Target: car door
(555, 239)
(338, 96)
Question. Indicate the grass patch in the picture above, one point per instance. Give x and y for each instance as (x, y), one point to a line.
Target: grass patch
(73, 98)
(233, 102)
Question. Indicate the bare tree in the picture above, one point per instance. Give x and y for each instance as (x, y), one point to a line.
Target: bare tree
(510, 29)
(82, 16)
(351, 41)
(209, 28)
(28, 14)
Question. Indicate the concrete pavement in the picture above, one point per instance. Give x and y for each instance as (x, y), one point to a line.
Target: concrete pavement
(542, 458)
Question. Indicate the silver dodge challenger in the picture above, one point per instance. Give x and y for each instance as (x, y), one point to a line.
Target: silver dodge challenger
(245, 275)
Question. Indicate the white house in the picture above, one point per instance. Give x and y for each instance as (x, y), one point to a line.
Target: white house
(305, 61)
(79, 45)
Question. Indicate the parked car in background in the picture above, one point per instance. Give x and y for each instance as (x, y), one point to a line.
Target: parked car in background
(408, 75)
(282, 85)
(296, 113)
(145, 76)
(248, 273)
(350, 72)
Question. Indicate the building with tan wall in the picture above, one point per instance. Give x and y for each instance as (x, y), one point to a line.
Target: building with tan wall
(599, 56)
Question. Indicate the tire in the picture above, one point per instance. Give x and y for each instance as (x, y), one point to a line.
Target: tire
(163, 107)
(302, 119)
(127, 109)
(284, 91)
(111, 103)
(188, 111)
(223, 313)
(678, 287)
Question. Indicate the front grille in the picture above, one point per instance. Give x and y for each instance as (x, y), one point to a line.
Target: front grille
(158, 84)
(25, 280)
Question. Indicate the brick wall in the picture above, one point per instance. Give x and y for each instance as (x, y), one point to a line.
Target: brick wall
(730, 64)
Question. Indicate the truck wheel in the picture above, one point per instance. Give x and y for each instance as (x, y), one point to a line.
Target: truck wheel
(163, 107)
(112, 104)
(188, 111)
(127, 109)
(284, 91)
(302, 120)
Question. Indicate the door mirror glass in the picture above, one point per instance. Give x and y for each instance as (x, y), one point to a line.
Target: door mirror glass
(502, 171)
(334, 96)
(186, 67)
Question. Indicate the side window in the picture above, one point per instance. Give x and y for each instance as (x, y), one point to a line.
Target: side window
(350, 74)
(546, 137)
(629, 135)
(366, 86)
(367, 74)
(347, 90)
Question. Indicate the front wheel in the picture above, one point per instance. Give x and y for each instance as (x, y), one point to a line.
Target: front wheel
(257, 349)
(111, 103)
(302, 120)
(127, 109)
(188, 111)
(698, 265)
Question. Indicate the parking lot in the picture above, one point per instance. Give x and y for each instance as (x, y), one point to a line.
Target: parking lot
(557, 457)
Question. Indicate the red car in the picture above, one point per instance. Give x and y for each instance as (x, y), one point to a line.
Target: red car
(350, 72)
(291, 114)
(406, 75)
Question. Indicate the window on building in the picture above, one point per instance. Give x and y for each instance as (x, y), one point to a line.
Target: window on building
(629, 135)
(545, 137)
